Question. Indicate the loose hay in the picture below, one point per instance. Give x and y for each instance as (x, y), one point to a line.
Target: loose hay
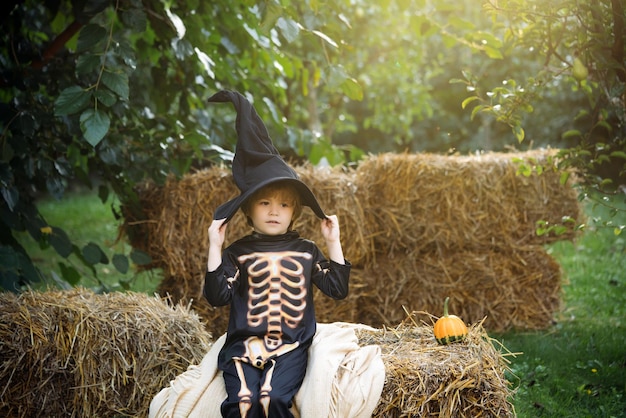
(425, 379)
(78, 354)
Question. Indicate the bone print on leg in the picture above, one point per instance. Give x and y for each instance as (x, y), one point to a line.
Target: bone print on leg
(245, 400)
(264, 397)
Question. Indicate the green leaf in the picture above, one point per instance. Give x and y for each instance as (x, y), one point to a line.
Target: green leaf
(448, 41)
(27, 124)
(135, 19)
(325, 38)
(468, 101)
(103, 193)
(272, 13)
(571, 133)
(176, 23)
(524, 170)
(564, 177)
(493, 53)
(70, 274)
(488, 39)
(459, 23)
(518, 131)
(206, 62)
(106, 97)
(336, 76)
(94, 125)
(60, 242)
(89, 36)
(120, 261)
(71, 100)
(86, 63)
(55, 186)
(61, 283)
(618, 154)
(92, 253)
(9, 259)
(352, 89)
(140, 258)
(11, 196)
(477, 109)
(288, 28)
(117, 82)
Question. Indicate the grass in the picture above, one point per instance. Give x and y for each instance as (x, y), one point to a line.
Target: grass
(86, 219)
(576, 368)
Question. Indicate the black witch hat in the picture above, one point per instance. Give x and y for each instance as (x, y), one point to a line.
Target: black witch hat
(257, 162)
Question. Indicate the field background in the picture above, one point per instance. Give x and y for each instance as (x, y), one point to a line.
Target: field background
(577, 368)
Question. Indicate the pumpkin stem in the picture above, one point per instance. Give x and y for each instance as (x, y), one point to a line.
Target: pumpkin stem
(445, 306)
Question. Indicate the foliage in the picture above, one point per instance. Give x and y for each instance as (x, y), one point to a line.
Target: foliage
(582, 48)
(113, 93)
(87, 220)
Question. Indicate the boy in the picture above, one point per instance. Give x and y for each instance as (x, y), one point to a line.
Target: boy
(267, 277)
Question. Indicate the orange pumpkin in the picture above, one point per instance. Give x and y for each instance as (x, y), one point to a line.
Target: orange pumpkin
(449, 328)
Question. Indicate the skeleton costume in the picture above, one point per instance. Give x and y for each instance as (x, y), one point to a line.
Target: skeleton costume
(268, 282)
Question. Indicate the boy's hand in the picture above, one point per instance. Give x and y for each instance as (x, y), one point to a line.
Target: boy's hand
(217, 235)
(217, 232)
(330, 228)
(330, 231)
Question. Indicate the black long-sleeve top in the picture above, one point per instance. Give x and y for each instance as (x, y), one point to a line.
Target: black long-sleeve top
(267, 280)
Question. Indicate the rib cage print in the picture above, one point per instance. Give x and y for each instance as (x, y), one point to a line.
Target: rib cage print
(277, 292)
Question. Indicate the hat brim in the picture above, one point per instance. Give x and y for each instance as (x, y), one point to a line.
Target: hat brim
(228, 209)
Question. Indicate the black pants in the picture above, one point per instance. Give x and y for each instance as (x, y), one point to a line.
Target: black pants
(287, 375)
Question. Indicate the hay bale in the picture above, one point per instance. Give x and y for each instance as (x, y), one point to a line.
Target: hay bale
(394, 209)
(79, 354)
(427, 202)
(516, 289)
(425, 379)
(76, 353)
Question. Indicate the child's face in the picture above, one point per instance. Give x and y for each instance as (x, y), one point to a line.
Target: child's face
(272, 214)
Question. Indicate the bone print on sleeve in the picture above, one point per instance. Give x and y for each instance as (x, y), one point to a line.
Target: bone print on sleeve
(219, 285)
(330, 277)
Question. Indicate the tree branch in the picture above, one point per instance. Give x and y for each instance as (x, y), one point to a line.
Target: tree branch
(57, 44)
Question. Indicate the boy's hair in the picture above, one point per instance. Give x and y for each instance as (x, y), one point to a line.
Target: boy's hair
(280, 188)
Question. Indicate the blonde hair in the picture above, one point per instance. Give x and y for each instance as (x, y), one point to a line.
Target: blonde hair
(281, 189)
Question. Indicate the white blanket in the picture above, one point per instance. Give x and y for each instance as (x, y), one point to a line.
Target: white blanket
(343, 380)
